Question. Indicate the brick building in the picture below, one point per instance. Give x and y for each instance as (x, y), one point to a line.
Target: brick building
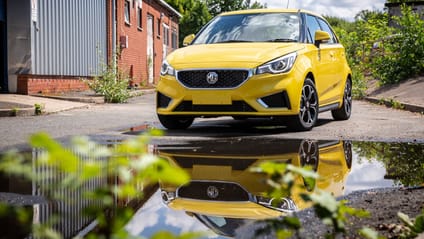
(50, 45)
(146, 32)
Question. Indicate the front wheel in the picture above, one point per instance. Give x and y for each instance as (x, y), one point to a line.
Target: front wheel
(175, 122)
(346, 110)
(308, 113)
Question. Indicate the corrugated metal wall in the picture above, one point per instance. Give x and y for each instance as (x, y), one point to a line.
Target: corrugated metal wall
(69, 37)
(69, 204)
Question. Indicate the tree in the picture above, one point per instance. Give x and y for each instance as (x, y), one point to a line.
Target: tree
(218, 6)
(194, 19)
(195, 15)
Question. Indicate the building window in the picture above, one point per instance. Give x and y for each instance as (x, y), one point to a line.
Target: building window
(165, 34)
(139, 18)
(174, 39)
(127, 11)
(158, 27)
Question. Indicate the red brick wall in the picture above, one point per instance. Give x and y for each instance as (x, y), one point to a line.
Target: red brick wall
(133, 59)
(39, 84)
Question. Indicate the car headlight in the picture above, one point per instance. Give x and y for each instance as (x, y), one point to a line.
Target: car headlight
(167, 69)
(279, 65)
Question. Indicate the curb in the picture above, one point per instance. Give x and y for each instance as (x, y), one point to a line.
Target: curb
(88, 99)
(30, 111)
(389, 103)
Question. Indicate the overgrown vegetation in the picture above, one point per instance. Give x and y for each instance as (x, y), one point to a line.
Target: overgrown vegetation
(402, 50)
(388, 53)
(112, 82)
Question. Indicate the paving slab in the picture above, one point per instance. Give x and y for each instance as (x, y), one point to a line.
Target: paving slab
(24, 105)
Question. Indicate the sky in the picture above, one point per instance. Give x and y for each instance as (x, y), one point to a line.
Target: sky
(346, 9)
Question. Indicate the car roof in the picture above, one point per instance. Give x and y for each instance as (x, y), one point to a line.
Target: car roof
(269, 10)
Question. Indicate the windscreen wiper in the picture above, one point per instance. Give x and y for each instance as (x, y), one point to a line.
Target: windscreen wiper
(282, 40)
(229, 41)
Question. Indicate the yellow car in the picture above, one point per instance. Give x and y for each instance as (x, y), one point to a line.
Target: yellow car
(224, 192)
(273, 63)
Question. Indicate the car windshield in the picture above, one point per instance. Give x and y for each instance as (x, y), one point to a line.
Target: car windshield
(258, 27)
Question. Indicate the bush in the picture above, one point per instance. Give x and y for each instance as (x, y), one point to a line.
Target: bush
(354, 55)
(112, 83)
(403, 51)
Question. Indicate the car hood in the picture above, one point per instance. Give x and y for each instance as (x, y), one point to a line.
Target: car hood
(229, 55)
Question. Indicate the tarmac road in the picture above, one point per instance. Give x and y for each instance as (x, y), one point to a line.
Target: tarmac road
(105, 122)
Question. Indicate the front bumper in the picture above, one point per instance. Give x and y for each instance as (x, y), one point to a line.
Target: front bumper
(260, 95)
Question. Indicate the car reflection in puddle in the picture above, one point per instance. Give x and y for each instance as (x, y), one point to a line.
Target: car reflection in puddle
(224, 193)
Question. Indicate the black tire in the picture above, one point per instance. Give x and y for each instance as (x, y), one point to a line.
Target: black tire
(347, 148)
(308, 113)
(309, 156)
(346, 110)
(175, 122)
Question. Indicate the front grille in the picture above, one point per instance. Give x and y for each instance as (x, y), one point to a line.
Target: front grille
(236, 106)
(226, 78)
(215, 191)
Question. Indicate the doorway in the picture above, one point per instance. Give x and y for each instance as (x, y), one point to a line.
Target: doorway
(150, 49)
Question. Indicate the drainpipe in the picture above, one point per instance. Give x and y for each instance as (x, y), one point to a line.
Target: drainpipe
(114, 34)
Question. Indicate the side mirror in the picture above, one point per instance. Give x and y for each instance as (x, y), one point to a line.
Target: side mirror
(188, 39)
(321, 36)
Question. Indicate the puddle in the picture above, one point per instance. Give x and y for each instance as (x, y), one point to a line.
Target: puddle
(224, 193)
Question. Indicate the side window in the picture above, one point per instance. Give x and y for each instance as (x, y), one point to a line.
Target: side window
(158, 28)
(139, 18)
(313, 26)
(165, 34)
(174, 38)
(127, 11)
(325, 27)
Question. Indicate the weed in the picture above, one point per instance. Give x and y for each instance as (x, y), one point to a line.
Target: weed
(382, 101)
(396, 104)
(415, 226)
(39, 108)
(15, 111)
(112, 83)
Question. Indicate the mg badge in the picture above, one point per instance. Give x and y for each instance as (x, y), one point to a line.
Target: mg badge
(212, 192)
(212, 77)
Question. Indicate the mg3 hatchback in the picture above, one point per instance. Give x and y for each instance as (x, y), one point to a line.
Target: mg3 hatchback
(283, 64)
